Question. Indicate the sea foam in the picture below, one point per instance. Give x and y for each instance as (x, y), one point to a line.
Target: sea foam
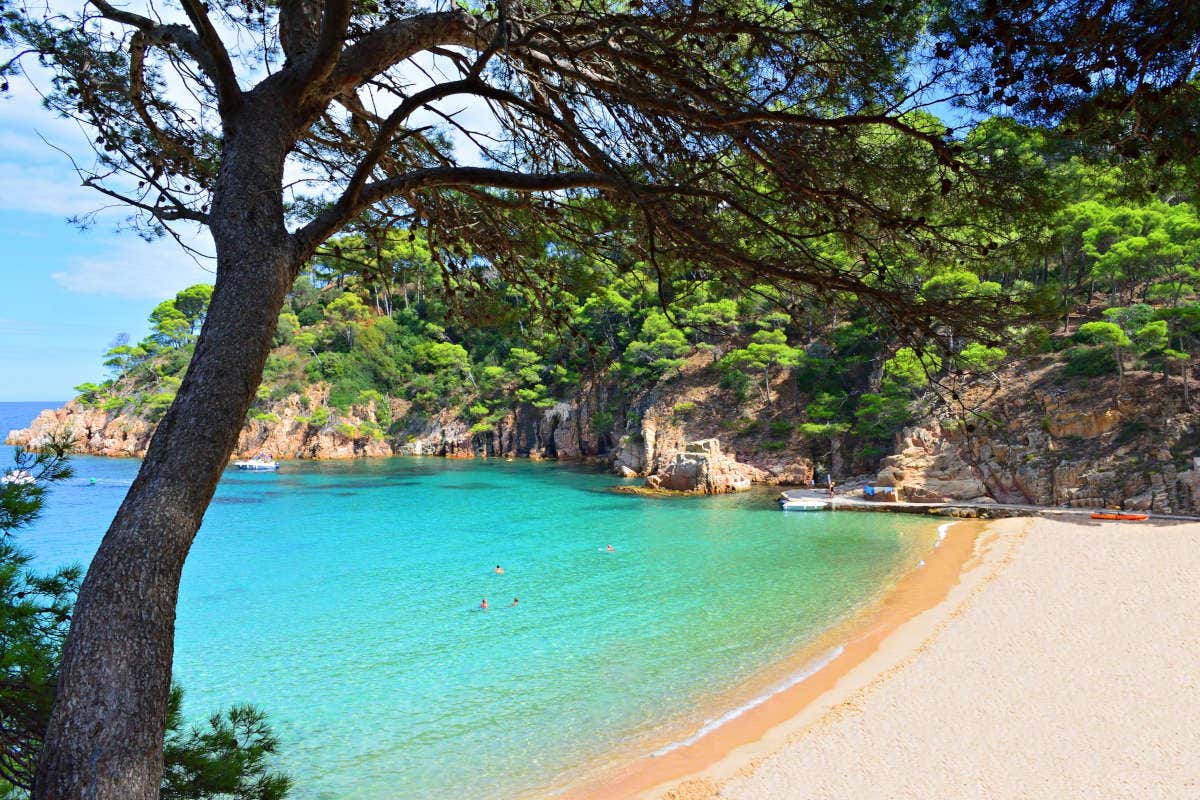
(711, 725)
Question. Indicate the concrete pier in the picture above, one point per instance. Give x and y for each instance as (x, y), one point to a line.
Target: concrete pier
(962, 509)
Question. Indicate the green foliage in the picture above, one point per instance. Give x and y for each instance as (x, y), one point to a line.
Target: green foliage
(287, 328)
(1104, 333)
(908, 368)
(310, 315)
(89, 394)
(602, 422)
(230, 757)
(155, 405)
(1090, 362)
(683, 409)
(780, 427)
(736, 382)
(767, 353)
(879, 416)
(1151, 337)
(659, 348)
(175, 322)
(978, 357)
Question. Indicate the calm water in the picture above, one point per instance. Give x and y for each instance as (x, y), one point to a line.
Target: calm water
(342, 598)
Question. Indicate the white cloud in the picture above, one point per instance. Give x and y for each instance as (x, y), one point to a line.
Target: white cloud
(136, 269)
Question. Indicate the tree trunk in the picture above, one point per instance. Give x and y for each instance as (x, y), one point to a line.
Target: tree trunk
(1187, 403)
(105, 737)
(1120, 374)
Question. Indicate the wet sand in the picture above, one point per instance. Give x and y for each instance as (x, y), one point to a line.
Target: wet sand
(825, 663)
(1065, 663)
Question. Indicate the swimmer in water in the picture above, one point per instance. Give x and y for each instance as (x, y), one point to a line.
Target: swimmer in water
(514, 603)
(483, 606)
(499, 570)
(611, 549)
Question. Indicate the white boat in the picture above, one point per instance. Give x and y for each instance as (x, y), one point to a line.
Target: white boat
(802, 504)
(260, 463)
(18, 477)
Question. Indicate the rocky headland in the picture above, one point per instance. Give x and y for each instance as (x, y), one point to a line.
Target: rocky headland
(1030, 436)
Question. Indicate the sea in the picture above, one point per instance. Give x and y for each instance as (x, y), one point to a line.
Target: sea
(343, 598)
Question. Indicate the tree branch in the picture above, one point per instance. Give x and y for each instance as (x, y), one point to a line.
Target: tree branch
(215, 64)
(329, 41)
(391, 44)
(327, 223)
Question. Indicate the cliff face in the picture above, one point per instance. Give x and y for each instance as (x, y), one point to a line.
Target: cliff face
(290, 430)
(639, 436)
(1043, 439)
(1035, 437)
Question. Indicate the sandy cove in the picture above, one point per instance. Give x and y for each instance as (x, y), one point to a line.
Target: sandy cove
(1033, 659)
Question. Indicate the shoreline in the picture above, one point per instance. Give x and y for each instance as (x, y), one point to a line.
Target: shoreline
(1061, 664)
(799, 687)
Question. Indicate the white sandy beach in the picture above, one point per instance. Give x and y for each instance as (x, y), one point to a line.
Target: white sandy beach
(1065, 665)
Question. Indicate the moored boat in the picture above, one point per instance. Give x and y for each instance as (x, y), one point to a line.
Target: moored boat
(1120, 516)
(260, 463)
(802, 504)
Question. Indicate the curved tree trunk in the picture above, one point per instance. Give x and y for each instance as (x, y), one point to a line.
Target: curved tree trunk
(105, 737)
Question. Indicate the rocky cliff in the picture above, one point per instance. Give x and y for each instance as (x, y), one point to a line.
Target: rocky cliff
(639, 435)
(1035, 436)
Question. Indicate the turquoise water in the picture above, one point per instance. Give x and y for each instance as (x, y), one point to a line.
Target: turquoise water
(342, 598)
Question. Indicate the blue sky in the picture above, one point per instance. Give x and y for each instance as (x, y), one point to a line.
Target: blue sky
(65, 293)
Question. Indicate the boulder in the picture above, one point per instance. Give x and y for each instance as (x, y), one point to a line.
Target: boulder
(702, 468)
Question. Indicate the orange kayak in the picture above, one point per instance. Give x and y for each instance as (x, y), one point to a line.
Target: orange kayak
(1115, 515)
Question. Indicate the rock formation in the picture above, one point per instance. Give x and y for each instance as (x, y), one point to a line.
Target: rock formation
(1057, 442)
(703, 469)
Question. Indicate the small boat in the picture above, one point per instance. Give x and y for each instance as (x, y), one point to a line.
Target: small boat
(260, 463)
(802, 504)
(18, 477)
(1120, 515)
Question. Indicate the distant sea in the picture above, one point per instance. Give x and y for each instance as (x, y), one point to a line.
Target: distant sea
(342, 598)
(20, 414)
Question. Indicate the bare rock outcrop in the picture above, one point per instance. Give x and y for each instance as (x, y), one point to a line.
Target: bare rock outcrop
(702, 468)
(1047, 440)
(90, 430)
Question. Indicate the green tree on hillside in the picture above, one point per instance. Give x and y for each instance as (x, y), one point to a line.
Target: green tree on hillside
(767, 353)
(1111, 334)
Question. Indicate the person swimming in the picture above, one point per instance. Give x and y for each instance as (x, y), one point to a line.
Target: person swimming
(499, 570)
(611, 549)
(483, 606)
(514, 603)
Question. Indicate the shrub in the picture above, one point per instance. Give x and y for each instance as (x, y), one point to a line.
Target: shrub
(602, 422)
(780, 427)
(683, 409)
(310, 315)
(1090, 362)
(156, 405)
(737, 383)
(1132, 430)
